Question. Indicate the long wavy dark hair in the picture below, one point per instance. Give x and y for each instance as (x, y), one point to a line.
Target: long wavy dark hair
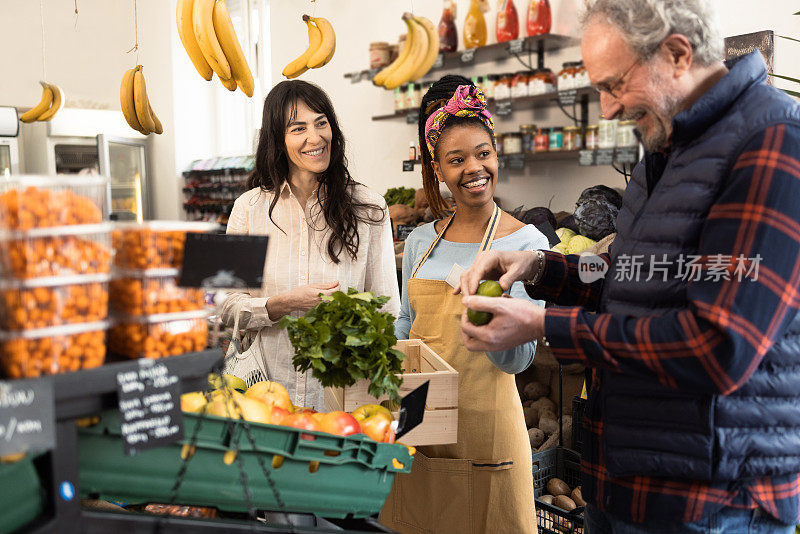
(335, 195)
(437, 96)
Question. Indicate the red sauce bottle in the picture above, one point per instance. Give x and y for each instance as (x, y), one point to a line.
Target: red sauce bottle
(539, 17)
(448, 36)
(507, 27)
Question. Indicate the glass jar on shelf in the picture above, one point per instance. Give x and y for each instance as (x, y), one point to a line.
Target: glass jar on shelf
(499, 139)
(448, 34)
(519, 84)
(400, 98)
(379, 53)
(539, 17)
(626, 134)
(507, 21)
(591, 137)
(581, 76)
(607, 133)
(572, 138)
(512, 143)
(548, 81)
(556, 139)
(566, 77)
(542, 141)
(488, 87)
(528, 137)
(502, 87)
(474, 26)
(412, 96)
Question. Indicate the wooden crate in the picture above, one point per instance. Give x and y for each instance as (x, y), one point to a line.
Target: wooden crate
(440, 423)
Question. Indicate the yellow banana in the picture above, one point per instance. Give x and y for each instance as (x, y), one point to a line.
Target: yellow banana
(330, 56)
(58, 99)
(230, 85)
(43, 105)
(140, 101)
(299, 65)
(320, 56)
(433, 48)
(223, 27)
(126, 102)
(186, 33)
(159, 128)
(380, 78)
(419, 47)
(203, 26)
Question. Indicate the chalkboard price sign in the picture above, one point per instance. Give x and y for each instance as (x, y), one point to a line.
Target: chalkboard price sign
(150, 406)
(27, 417)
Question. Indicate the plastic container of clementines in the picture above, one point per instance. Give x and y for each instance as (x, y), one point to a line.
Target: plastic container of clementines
(56, 251)
(160, 335)
(154, 244)
(54, 350)
(45, 302)
(152, 291)
(28, 202)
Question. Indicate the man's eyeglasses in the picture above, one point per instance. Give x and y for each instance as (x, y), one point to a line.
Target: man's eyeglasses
(613, 88)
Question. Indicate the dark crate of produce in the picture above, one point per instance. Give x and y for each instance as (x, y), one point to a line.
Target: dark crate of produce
(314, 472)
(21, 491)
(565, 465)
(578, 409)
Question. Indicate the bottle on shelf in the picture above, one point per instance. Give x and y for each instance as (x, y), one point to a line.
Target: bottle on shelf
(507, 25)
(539, 17)
(412, 151)
(474, 26)
(448, 35)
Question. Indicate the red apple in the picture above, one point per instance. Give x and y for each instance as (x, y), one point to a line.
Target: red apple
(277, 414)
(340, 423)
(376, 422)
(304, 421)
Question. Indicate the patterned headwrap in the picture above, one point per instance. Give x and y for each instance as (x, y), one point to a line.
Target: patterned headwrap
(467, 101)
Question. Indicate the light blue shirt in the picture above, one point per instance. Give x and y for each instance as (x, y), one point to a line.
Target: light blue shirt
(438, 266)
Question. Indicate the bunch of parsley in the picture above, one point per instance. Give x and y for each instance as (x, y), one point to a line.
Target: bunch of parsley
(345, 338)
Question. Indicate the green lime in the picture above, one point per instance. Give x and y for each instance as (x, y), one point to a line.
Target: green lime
(487, 288)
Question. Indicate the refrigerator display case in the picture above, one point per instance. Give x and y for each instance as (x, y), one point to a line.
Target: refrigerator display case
(124, 162)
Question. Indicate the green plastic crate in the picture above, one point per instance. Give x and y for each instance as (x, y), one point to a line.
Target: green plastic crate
(357, 481)
(22, 500)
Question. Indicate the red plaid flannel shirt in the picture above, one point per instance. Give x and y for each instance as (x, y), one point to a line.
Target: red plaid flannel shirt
(725, 331)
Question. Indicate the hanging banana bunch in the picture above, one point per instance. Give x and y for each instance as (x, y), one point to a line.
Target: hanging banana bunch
(208, 36)
(416, 57)
(49, 104)
(321, 47)
(135, 104)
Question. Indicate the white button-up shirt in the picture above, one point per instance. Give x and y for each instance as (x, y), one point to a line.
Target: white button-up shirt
(298, 256)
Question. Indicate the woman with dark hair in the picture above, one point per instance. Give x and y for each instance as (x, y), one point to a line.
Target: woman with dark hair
(327, 232)
(483, 483)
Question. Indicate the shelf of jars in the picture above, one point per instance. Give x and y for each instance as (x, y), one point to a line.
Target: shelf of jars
(518, 48)
(504, 106)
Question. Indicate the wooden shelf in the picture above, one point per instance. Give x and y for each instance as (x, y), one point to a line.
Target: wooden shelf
(485, 54)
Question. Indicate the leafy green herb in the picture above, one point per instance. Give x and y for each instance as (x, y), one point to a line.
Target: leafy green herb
(400, 195)
(345, 338)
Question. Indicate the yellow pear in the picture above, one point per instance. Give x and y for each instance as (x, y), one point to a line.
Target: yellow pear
(193, 402)
(233, 382)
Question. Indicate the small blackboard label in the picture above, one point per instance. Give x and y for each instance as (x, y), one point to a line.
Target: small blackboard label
(503, 107)
(403, 230)
(516, 46)
(586, 158)
(412, 410)
(604, 156)
(408, 165)
(627, 155)
(515, 161)
(412, 117)
(219, 261)
(27, 416)
(567, 98)
(150, 406)
(439, 63)
(468, 55)
(355, 77)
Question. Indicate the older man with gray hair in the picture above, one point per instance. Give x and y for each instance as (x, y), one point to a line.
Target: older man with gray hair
(692, 337)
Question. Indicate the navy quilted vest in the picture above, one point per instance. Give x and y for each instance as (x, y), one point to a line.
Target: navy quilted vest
(653, 430)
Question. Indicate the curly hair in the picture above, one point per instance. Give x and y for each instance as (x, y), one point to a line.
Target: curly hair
(335, 195)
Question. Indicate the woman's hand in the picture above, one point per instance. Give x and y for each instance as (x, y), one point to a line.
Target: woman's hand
(302, 299)
(506, 267)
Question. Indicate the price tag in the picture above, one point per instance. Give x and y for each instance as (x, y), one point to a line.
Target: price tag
(503, 107)
(150, 406)
(412, 410)
(412, 117)
(408, 165)
(604, 156)
(516, 46)
(403, 230)
(439, 63)
(586, 158)
(567, 98)
(515, 162)
(27, 416)
(627, 155)
(355, 77)
(219, 261)
(468, 55)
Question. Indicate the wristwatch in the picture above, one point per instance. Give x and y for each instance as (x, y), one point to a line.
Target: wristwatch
(539, 269)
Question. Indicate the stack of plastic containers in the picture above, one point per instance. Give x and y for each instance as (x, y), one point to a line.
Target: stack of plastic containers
(154, 317)
(55, 258)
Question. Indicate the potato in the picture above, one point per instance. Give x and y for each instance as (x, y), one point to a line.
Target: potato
(551, 442)
(544, 403)
(548, 426)
(536, 437)
(564, 502)
(547, 413)
(531, 417)
(578, 497)
(557, 487)
(566, 427)
(536, 390)
(547, 499)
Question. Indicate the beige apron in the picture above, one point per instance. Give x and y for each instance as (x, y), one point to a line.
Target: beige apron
(482, 484)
